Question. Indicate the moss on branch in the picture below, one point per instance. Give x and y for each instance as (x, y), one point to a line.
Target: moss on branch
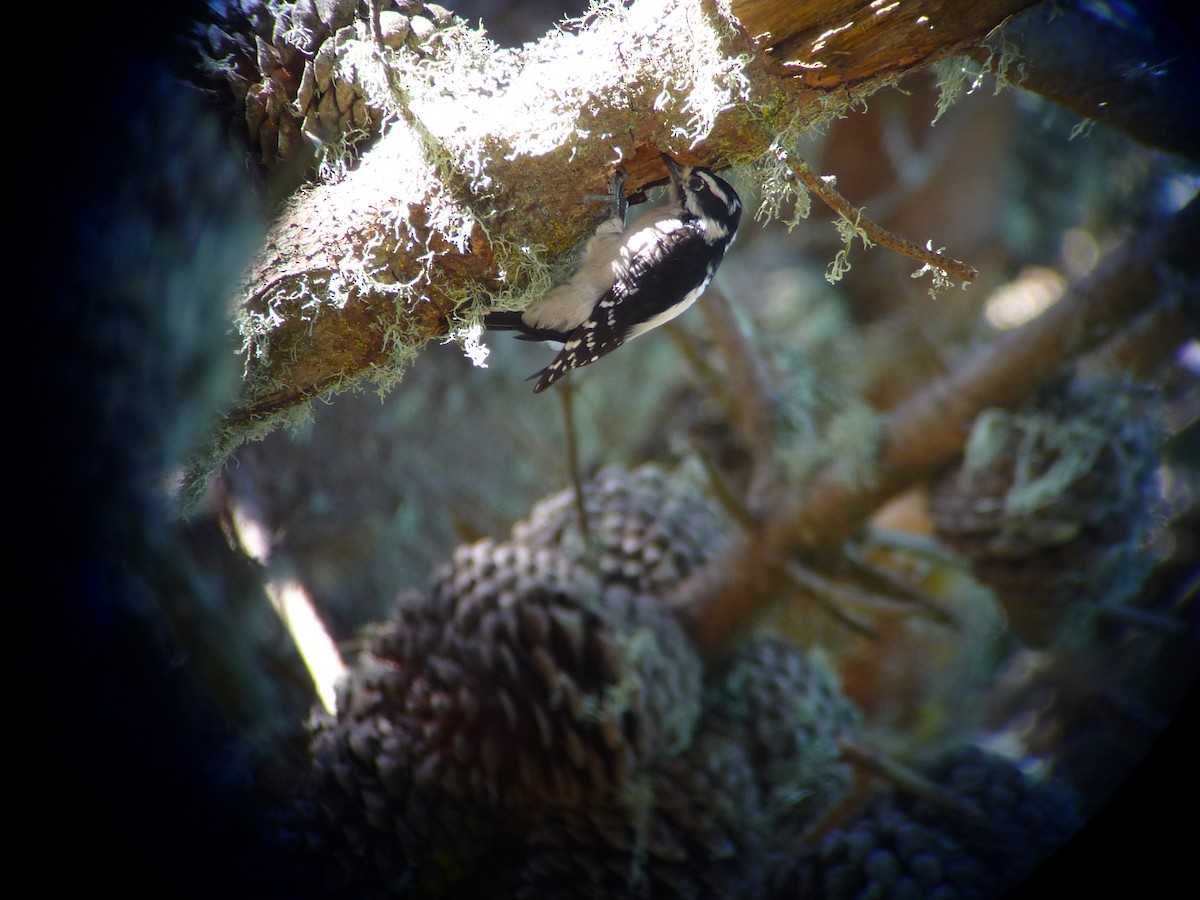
(473, 190)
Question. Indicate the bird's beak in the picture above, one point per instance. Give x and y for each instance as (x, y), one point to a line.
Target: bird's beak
(674, 169)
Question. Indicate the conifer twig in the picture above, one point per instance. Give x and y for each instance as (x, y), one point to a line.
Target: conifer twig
(873, 231)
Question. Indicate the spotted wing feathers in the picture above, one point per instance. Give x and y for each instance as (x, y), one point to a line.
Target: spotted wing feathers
(663, 278)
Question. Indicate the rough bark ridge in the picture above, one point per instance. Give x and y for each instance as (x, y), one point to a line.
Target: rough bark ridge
(473, 190)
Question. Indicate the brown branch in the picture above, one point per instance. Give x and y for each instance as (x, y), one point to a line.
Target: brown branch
(900, 592)
(829, 43)
(1141, 79)
(873, 231)
(694, 355)
(831, 598)
(928, 430)
(357, 274)
(566, 397)
(911, 782)
(723, 492)
(903, 597)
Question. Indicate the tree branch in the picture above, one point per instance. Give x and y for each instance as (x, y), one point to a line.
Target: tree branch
(1136, 71)
(873, 231)
(828, 44)
(474, 188)
(1157, 267)
(750, 397)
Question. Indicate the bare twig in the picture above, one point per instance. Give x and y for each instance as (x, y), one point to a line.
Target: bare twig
(911, 544)
(691, 352)
(1140, 618)
(873, 231)
(724, 493)
(566, 399)
(913, 783)
(863, 596)
(828, 597)
(905, 593)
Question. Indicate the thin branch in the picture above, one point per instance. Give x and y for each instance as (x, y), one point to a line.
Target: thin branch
(830, 597)
(913, 783)
(906, 593)
(689, 349)
(873, 231)
(864, 596)
(751, 396)
(724, 494)
(566, 399)
(911, 544)
(1140, 618)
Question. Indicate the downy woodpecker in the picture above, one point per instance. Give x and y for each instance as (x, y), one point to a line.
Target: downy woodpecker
(634, 278)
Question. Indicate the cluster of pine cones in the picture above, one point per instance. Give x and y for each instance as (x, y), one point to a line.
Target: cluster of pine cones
(537, 724)
(281, 68)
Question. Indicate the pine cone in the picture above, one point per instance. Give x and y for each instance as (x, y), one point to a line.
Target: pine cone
(283, 69)
(647, 529)
(532, 686)
(510, 687)
(692, 829)
(379, 832)
(900, 846)
(254, 54)
(789, 713)
(884, 853)
(1054, 505)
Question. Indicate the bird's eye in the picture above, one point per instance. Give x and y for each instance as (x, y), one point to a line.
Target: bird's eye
(695, 183)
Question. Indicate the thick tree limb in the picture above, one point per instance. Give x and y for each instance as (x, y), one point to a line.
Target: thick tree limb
(1158, 267)
(828, 44)
(1130, 66)
(476, 184)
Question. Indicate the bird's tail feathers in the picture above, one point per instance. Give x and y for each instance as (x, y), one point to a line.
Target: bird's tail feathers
(504, 320)
(510, 320)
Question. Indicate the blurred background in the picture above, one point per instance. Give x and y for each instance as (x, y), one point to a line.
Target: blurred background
(156, 682)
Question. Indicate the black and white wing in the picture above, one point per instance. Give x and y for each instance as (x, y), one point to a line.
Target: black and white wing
(669, 264)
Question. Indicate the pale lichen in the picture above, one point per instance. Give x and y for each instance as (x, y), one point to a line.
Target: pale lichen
(957, 74)
(941, 279)
(847, 231)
